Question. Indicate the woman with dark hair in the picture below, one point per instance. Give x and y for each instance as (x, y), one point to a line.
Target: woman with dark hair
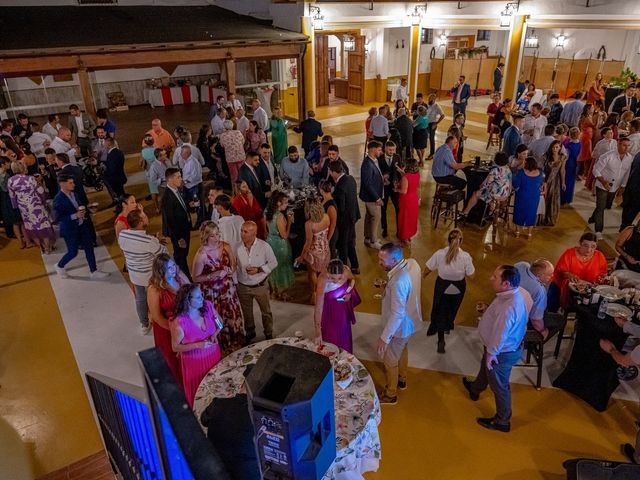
(279, 228)
(204, 143)
(10, 215)
(373, 111)
(586, 126)
(516, 162)
(502, 119)
(408, 201)
(583, 262)
(315, 252)
(255, 137)
(496, 187)
(214, 266)
(398, 105)
(166, 279)
(421, 133)
(331, 209)
(246, 205)
(194, 337)
(528, 184)
(452, 264)
(571, 166)
(126, 204)
(337, 298)
(554, 179)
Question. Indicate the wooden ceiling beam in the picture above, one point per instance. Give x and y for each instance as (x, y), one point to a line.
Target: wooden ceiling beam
(12, 67)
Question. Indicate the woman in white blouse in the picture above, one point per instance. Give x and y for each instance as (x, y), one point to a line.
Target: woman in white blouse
(452, 264)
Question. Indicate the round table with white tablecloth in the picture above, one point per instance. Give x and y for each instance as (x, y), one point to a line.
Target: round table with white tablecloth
(165, 96)
(356, 406)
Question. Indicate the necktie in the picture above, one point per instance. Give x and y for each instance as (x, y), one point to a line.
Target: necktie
(177, 193)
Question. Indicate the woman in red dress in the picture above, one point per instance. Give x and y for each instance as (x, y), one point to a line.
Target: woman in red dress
(249, 209)
(166, 279)
(586, 139)
(409, 201)
(126, 204)
(492, 109)
(213, 268)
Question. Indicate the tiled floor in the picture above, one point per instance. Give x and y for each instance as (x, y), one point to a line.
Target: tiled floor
(53, 320)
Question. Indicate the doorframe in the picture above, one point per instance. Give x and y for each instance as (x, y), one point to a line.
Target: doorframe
(338, 33)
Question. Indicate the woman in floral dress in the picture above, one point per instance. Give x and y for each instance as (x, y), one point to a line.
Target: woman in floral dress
(213, 268)
(29, 196)
(554, 173)
(496, 187)
(316, 252)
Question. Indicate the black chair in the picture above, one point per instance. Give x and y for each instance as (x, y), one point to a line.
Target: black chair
(446, 201)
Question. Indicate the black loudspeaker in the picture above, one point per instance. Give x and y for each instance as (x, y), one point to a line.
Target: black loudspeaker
(291, 403)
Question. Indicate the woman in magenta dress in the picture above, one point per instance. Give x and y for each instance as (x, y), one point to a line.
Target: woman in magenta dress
(336, 299)
(409, 201)
(213, 267)
(166, 279)
(194, 336)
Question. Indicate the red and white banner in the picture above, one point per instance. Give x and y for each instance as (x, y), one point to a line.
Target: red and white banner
(208, 94)
(165, 96)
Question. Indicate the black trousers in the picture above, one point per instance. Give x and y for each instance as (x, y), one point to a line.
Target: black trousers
(453, 180)
(432, 138)
(180, 254)
(347, 244)
(393, 196)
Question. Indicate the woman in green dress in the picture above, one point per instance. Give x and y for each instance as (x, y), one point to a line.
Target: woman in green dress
(278, 137)
(279, 226)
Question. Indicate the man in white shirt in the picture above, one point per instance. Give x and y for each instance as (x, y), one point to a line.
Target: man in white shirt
(634, 137)
(255, 262)
(242, 122)
(611, 172)
(539, 146)
(260, 115)
(403, 316)
(379, 128)
(61, 144)
(233, 102)
(195, 151)
(401, 91)
(230, 225)
(140, 250)
(52, 126)
(534, 124)
(38, 142)
(192, 177)
(217, 122)
(501, 328)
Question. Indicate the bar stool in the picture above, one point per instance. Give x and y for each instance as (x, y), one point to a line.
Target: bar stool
(494, 138)
(446, 202)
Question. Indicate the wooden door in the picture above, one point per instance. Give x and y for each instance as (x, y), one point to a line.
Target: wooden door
(332, 62)
(322, 74)
(356, 72)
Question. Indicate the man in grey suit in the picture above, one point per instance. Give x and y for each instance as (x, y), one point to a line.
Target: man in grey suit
(99, 149)
(82, 126)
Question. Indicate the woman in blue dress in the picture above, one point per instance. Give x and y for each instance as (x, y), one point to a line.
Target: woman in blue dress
(573, 150)
(527, 184)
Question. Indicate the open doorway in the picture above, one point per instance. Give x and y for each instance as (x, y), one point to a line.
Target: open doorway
(339, 61)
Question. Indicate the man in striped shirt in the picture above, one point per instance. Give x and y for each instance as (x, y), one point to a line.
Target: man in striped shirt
(140, 249)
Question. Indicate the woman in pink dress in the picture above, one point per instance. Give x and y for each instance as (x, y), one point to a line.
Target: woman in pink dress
(316, 252)
(166, 279)
(194, 336)
(409, 201)
(213, 267)
(255, 137)
(336, 300)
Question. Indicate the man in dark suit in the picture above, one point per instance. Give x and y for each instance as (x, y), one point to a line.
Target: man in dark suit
(372, 193)
(346, 198)
(76, 227)
(513, 136)
(64, 165)
(497, 77)
(249, 172)
(625, 102)
(630, 197)
(310, 129)
(404, 125)
(461, 92)
(114, 168)
(333, 155)
(176, 219)
(387, 162)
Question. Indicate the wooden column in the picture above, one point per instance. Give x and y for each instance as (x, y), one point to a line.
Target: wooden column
(230, 66)
(85, 89)
(308, 70)
(414, 60)
(300, 89)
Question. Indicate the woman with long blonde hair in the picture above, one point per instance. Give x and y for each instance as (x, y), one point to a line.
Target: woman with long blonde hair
(214, 266)
(316, 252)
(453, 265)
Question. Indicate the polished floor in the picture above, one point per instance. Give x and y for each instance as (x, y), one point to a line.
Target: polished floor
(54, 330)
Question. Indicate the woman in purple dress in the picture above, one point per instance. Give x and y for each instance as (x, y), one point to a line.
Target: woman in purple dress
(194, 336)
(336, 298)
(29, 196)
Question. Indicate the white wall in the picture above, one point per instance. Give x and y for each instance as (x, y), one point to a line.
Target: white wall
(619, 44)
(396, 60)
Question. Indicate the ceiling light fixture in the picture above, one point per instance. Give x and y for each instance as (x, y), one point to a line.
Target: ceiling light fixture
(350, 43)
(506, 15)
(419, 12)
(560, 41)
(316, 17)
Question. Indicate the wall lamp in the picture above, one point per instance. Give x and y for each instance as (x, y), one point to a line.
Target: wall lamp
(419, 12)
(442, 40)
(531, 41)
(560, 41)
(316, 17)
(506, 15)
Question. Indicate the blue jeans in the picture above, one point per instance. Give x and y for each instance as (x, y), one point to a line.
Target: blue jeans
(142, 308)
(498, 379)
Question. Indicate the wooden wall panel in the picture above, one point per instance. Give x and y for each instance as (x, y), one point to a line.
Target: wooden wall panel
(563, 71)
(612, 68)
(578, 75)
(543, 74)
(470, 69)
(487, 67)
(436, 73)
(526, 68)
(452, 69)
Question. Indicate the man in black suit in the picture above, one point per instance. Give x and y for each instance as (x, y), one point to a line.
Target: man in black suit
(372, 193)
(311, 129)
(333, 155)
(346, 197)
(176, 218)
(625, 102)
(404, 125)
(64, 166)
(250, 173)
(387, 162)
(114, 168)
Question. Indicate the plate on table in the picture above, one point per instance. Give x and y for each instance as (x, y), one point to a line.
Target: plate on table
(328, 350)
(611, 293)
(580, 286)
(617, 310)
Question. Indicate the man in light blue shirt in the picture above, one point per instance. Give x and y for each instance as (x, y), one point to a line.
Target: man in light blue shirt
(572, 111)
(445, 166)
(293, 169)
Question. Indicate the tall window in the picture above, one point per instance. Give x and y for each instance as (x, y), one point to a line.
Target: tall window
(426, 36)
(483, 35)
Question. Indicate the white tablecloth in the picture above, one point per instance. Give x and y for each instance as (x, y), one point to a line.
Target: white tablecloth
(208, 94)
(158, 97)
(357, 407)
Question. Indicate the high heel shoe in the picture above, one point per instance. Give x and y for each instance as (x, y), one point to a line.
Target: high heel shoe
(441, 346)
